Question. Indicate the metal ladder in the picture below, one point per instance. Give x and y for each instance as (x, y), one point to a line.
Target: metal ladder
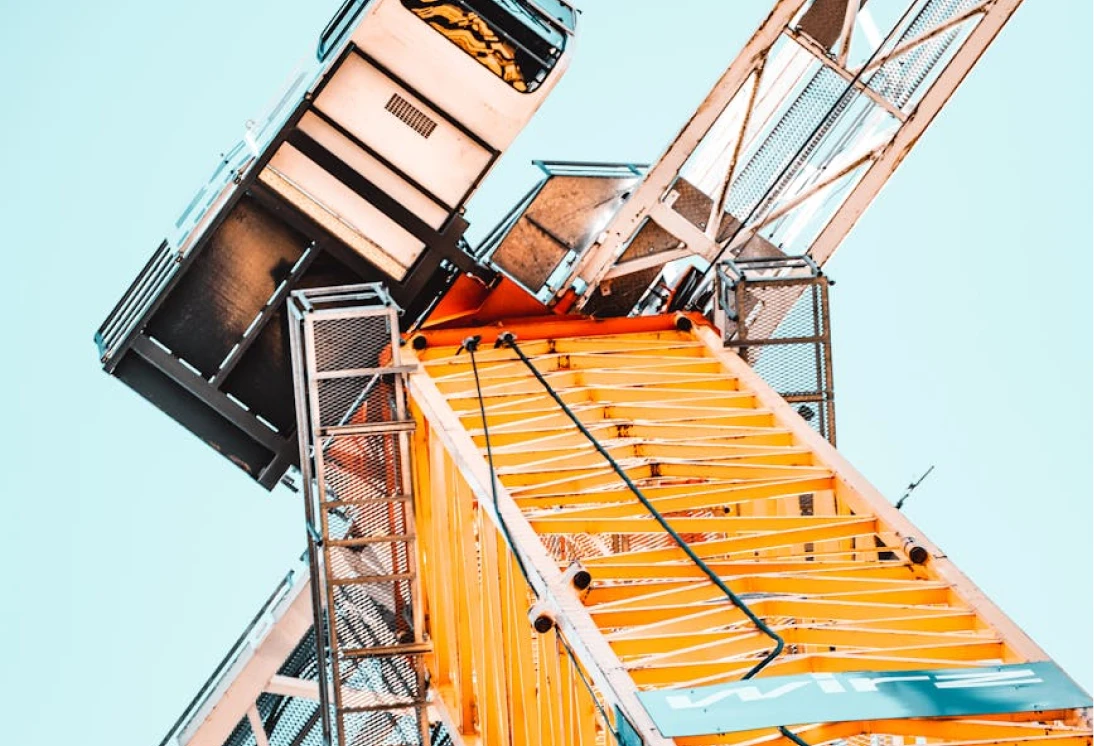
(354, 432)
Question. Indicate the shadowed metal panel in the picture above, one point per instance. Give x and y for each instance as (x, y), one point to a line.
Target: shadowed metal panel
(263, 378)
(529, 254)
(186, 409)
(227, 286)
(617, 297)
(565, 216)
(824, 20)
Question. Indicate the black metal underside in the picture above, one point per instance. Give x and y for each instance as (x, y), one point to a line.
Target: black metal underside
(204, 337)
(213, 351)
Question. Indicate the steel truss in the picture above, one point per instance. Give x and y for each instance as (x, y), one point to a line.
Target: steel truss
(795, 139)
(824, 559)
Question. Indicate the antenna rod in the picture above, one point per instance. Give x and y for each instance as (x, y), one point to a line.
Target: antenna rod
(911, 487)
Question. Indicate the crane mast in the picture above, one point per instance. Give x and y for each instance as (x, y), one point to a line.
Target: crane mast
(571, 486)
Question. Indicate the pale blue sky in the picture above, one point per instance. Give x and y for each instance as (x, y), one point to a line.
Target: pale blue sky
(962, 325)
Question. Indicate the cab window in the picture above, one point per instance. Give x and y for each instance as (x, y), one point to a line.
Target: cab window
(511, 38)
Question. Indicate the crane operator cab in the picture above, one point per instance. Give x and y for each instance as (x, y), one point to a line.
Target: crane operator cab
(359, 174)
(421, 98)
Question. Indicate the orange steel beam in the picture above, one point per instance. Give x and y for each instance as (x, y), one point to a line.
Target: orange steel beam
(552, 327)
(778, 514)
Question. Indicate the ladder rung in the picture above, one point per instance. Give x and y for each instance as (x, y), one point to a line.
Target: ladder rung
(419, 703)
(326, 375)
(366, 579)
(362, 540)
(413, 648)
(368, 428)
(331, 504)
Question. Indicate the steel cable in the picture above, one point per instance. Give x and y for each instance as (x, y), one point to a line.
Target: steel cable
(471, 344)
(507, 339)
(806, 148)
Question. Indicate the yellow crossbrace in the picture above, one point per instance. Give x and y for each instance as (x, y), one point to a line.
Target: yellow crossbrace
(790, 526)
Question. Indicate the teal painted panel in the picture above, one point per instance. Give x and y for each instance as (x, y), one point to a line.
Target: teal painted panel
(842, 697)
(625, 732)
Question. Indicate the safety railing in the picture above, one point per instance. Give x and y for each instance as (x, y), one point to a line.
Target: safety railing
(590, 168)
(774, 313)
(338, 27)
(230, 173)
(138, 297)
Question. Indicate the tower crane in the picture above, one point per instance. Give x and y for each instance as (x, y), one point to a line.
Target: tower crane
(577, 484)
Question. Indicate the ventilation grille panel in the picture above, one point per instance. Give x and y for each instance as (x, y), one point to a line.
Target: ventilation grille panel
(410, 115)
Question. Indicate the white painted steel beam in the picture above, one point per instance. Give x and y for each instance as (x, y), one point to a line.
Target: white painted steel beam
(235, 693)
(860, 135)
(257, 728)
(661, 176)
(932, 102)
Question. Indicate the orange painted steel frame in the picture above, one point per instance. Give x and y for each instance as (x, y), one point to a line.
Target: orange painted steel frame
(559, 327)
(820, 555)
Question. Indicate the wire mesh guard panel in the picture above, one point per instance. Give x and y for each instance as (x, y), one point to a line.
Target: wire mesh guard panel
(362, 467)
(781, 329)
(362, 516)
(354, 341)
(355, 399)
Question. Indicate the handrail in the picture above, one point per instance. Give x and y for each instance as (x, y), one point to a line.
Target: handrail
(350, 9)
(128, 311)
(501, 229)
(590, 168)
